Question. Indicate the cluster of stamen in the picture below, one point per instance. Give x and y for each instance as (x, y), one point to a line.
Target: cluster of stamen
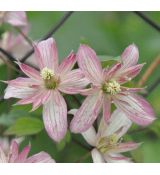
(112, 87)
(49, 78)
(107, 143)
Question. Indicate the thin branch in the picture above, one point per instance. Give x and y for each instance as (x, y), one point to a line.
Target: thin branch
(50, 33)
(8, 55)
(149, 71)
(148, 20)
(9, 64)
(24, 36)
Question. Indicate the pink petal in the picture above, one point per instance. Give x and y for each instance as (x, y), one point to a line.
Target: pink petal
(23, 155)
(46, 54)
(87, 113)
(3, 158)
(96, 156)
(30, 72)
(118, 124)
(18, 92)
(89, 91)
(13, 151)
(55, 116)
(128, 74)
(133, 89)
(67, 64)
(130, 56)
(16, 18)
(73, 82)
(41, 157)
(124, 147)
(136, 108)
(116, 158)
(90, 136)
(109, 73)
(90, 64)
(38, 98)
(106, 109)
(23, 82)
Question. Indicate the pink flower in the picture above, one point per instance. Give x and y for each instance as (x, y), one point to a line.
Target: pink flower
(44, 87)
(14, 156)
(17, 46)
(14, 18)
(107, 87)
(107, 142)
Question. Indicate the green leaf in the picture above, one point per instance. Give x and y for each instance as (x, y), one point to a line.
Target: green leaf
(25, 126)
(108, 60)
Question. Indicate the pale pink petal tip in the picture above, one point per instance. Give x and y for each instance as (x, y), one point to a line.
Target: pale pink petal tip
(130, 56)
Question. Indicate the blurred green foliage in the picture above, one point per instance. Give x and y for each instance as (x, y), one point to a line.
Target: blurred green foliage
(108, 33)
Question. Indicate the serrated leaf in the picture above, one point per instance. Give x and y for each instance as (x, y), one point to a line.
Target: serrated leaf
(25, 126)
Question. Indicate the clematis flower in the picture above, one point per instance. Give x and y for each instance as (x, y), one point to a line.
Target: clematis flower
(43, 87)
(107, 142)
(17, 46)
(14, 18)
(107, 87)
(14, 156)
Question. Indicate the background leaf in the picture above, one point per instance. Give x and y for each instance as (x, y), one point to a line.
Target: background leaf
(25, 126)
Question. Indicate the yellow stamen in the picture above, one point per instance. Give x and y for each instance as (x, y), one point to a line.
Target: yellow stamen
(107, 143)
(49, 78)
(112, 87)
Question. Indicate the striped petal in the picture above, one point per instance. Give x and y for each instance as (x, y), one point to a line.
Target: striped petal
(41, 157)
(136, 108)
(116, 158)
(55, 116)
(67, 64)
(18, 92)
(124, 75)
(16, 18)
(30, 72)
(23, 155)
(124, 147)
(90, 64)
(73, 82)
(118, 124)
(87, 113)
(130, 56)
(47, 54)
(106, 109)
(13, 151)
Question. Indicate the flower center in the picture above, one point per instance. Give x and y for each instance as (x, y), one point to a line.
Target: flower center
(49, 78)
(107, 143)
(112, 87)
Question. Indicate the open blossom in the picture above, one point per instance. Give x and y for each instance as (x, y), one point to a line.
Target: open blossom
(14, 156)
(14, 18)
(17, 46)
(107, 87)
(43, 87)
(107, 142)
